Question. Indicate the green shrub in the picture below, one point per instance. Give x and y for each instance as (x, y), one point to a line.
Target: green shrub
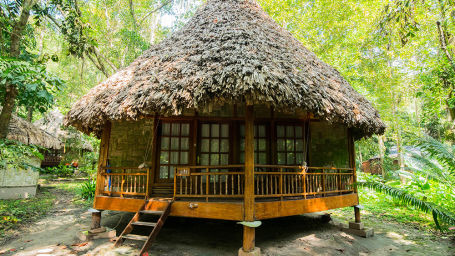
(60, 171)
(14, 154)
(87, 189)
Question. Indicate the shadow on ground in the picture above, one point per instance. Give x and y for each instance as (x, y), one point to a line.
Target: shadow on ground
(297, 235)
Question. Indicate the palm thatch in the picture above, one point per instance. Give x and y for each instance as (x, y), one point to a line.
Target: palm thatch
(231, 51)
(52, 123)
(23, 131)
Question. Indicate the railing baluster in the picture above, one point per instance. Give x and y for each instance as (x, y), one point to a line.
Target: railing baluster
(281, 182)
(304, 184)
(121, 187)
(232, 184)
(181, 185)
(191, 184)
(238, 184)
(207, 183)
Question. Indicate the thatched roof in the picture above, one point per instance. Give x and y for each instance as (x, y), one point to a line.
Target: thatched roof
(27, 133)
(52, 123)
(231, 51)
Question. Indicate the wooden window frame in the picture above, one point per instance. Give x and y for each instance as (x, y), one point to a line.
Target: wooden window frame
(305, 138)
(268, 142)
(169, 150)
(210, 137)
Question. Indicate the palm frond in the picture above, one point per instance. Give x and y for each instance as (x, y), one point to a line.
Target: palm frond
(438, 150)
(439, 213)
(426, 167)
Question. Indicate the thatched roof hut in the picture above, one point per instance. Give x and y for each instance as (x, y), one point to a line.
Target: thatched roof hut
(52, 123)
(231, 51)
(27, 133)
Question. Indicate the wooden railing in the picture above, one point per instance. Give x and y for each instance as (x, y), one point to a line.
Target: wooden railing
(223, 181)
(281, 181)
(125, 181)
(269, 181)
(227, 181)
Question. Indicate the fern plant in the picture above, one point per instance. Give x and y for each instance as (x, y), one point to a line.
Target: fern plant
(438, 212)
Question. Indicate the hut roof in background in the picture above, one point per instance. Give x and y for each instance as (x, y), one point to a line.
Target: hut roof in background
(52, 123)
(230, 51)
(23, 131)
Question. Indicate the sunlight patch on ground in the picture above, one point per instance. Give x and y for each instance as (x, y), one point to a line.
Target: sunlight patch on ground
(399, 238)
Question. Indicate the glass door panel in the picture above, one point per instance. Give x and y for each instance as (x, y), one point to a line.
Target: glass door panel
(174, 148)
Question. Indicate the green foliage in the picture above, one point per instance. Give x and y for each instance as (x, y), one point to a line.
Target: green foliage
(14, 154)
(87, 189)
(439, 213)
(13, 212)
(59, 171)
(35, 85)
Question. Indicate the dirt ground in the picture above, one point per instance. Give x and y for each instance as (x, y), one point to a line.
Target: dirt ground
(55, 234)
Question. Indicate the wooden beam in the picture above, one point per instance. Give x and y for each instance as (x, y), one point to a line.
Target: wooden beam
(249, 233)
(102, 161)
(210, 210)
(268, 210)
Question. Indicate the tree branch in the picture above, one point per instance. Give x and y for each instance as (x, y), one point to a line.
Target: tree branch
(443, 44)
(132, 14)
(155, 10)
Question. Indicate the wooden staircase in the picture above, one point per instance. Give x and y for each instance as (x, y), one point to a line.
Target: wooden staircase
(136, 222)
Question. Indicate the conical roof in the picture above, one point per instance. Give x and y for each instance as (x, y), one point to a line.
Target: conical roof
(23, 131)
(230, 51)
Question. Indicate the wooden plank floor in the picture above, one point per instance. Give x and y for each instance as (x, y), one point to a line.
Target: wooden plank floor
(230, 210)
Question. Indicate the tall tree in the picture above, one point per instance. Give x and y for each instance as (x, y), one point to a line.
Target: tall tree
(11, 89)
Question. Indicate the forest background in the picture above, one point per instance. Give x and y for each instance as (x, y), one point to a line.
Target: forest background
(397, 53)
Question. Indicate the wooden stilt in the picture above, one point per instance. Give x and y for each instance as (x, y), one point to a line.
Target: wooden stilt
(96, 220)
(248, 232)
(357, 214)
(248, 239)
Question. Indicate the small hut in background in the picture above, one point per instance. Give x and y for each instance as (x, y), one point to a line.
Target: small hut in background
(372, 165)
(228, 118)
(22, 182)
(72, 140)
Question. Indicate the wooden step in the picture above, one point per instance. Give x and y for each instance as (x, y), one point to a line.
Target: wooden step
(144, 223)
(136, 237)
(152, 212)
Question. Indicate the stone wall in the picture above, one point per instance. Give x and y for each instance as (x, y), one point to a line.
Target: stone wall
(130, 143)
(19, 182)
(328, 145)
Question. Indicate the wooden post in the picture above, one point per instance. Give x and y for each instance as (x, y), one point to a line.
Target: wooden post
(352, 164)
(249, 233)
(357, 214)
(153, 158)
(102, 161)
(96, 220)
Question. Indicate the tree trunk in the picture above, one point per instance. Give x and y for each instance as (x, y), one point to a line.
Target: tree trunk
(30, 114)
(381, 154)
(11, 90)
(7, 110)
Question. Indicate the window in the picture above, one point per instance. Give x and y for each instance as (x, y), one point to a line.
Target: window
(260, 144)
(332, 139)
(174, 148)
(214, 146)
(290, 145)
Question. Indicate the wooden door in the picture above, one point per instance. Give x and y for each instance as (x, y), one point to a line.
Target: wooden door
(174, 149)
